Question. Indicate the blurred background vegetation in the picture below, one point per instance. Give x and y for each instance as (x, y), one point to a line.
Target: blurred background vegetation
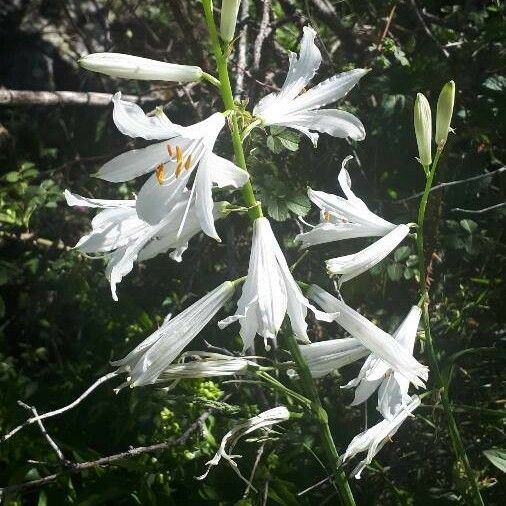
(59, 326)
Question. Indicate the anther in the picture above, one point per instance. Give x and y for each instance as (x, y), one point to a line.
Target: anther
(179, 154)
(326, 216)
(160, 173)
(188, 162)
(179, 169)
(170, 150)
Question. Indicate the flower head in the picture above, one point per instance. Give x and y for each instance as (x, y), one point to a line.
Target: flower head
(302, 110)
(376, 373)
(262, 421)
(154, 355)
(376, 340)
(423, 129)
(373, 439)
(134, 67)
(228, 19)
(118, 231)
(444, 112)
(184, 151)
(343, 218)
(270, 292)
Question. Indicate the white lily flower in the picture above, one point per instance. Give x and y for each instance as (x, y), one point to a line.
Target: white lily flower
(262, 421)
(154, 355)
(134, 67)
(373, 439)
(119, 231)
(376, 373)
(376, 340)
(302, 110)
(270, 292)
(325, 357)
(182, 152)
(350, 266)
(205, 364)
(343, 218)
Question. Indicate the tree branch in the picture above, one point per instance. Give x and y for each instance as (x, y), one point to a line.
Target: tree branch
(45, 98)
(78, 467)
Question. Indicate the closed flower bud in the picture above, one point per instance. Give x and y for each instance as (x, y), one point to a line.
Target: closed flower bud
(423, 129)
(444, 112)
(135, 67)
(229, 11)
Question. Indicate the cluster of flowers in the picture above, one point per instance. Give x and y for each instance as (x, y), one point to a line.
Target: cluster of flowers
(176, 202)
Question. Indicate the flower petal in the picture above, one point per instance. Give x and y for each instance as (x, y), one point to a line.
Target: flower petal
(225, 173)
(131, 120)
(350, 266)
(327, 91)
(204, 198)
(76, 200)
(134, 163)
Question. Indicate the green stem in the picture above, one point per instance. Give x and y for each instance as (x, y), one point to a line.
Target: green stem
(277, 385)
(254, 207)
(310, 390)
(455, 437)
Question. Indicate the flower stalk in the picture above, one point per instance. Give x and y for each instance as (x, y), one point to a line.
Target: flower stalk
(255, 208)
(455, 437)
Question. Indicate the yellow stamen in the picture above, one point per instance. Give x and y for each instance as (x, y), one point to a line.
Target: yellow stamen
(179, 169)
(170, 150)
(326, 216)
(188, 162)
(160, 173)
(179, 154)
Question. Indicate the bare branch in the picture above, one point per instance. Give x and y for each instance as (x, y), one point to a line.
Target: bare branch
(263, 33)
(440, 186)
(59, 411)
(91, 98)
(111, 459)
(49, 439)
(242, 55)
(479, 211)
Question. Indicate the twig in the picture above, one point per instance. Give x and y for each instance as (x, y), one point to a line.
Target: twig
(312, 487)
(241, 57)
(106, 461)
(479, 211)
(91, 98)
(253, 471)
(49, 439)
(263, 33)
(387, 27)
(426, 29)
(50, 414)
(452, 183)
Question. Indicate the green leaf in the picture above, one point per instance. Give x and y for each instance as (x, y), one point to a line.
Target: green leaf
(402, 253)
(469, 225)
(498, 457)
(12, 177)
(395, 271)
(278, 210)
(299, 205)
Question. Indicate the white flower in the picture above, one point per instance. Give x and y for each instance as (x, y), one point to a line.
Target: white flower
(350, 266)
(295, 108)
(343, 218)
(119, 231)
(184, 150)
(228, 19)
(423, 129)
(135, 67)
(203, 364)
(270, 292)
(328, 356)
(376, 340)
(261, 421)
(373, 439)
(376, 373)
(153, 356)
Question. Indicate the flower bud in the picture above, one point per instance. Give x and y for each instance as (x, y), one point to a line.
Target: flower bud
(135, 67)
(423, 129)
(229, 11)
(444, 112)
